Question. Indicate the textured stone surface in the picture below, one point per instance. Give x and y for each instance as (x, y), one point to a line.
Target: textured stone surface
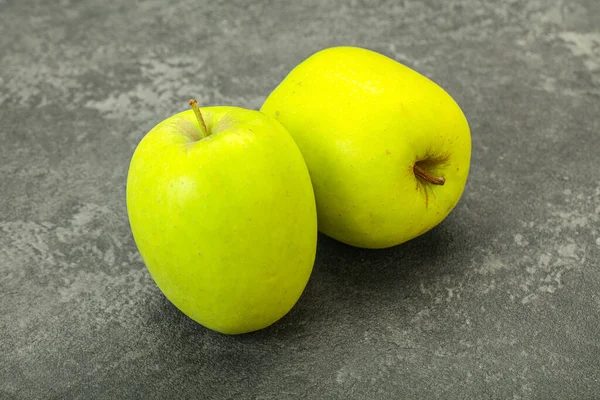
(499, 301)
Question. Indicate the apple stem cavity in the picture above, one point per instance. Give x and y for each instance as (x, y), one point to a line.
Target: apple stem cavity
(424, 175)
(203, 129)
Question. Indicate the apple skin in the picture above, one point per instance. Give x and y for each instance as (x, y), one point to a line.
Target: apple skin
(226, 225)
(362, 122)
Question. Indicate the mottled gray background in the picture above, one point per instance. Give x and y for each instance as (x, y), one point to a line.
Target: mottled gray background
(500, 301)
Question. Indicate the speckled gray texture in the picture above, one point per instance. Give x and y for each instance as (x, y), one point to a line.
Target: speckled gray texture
(500, 301)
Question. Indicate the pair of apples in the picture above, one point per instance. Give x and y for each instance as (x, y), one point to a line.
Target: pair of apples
(224, 202)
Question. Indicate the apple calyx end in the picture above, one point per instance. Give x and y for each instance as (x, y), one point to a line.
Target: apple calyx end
(204, 132)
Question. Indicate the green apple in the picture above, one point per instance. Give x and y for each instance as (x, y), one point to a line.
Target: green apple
(387, 149)
(223, 213)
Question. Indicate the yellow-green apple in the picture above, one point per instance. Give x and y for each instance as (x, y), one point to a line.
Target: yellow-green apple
(388, 150)
(223, 213)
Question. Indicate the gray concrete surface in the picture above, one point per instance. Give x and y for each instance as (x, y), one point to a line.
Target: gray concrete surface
(501, 301)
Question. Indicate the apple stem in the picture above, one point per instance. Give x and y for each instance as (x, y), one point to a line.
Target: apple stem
(421, 173)
(203, 130)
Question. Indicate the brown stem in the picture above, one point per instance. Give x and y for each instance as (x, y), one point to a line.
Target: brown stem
(203, 130)
(421, 173)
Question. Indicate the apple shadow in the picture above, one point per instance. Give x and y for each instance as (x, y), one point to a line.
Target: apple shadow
(349, 282)
(380, 269)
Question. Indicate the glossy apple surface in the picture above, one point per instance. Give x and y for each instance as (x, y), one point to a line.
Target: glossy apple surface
(226, 224)
(388, 150)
